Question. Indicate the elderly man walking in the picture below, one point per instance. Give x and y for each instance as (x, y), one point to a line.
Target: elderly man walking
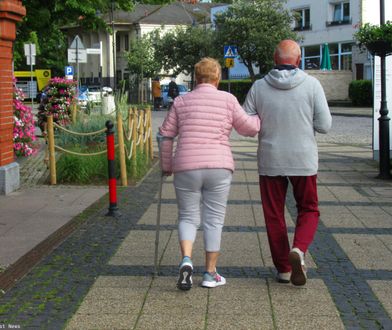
(292, 107)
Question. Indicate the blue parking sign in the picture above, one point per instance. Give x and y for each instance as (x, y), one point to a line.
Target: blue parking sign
(69, 71)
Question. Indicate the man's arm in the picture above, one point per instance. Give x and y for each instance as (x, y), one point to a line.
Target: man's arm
(322, 119)
(250, 102)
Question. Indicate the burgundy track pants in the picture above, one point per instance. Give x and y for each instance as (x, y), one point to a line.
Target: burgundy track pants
(273, 191)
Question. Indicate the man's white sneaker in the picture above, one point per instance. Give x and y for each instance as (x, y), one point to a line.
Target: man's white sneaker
(298, 268)
(283, 277)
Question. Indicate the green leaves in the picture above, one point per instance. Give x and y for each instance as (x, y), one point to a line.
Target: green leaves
(255, 28)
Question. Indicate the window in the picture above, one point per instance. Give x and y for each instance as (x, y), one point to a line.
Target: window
(340, 13)
(126, 42)
(311, 57)
(118, 42)
(302, 19)
(340, 54)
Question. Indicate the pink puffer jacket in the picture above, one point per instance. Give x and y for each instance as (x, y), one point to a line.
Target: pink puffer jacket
(203, 120)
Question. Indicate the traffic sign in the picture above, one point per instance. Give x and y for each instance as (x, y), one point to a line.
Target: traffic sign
(77, 43)
(69, 71)
(229, 62)
(81, 55)
(30, 60)
(230, 51)
(29, 49)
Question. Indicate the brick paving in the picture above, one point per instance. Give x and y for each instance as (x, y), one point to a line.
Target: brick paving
(101, 276)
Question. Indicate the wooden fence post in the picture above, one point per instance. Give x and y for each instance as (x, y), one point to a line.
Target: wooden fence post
(52, 156)
(141, 130)
(147, 138)
(151, 134)
(74, 110)
(134, 141)
(121, 147)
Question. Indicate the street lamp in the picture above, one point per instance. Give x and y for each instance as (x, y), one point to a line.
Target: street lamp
(384, 119)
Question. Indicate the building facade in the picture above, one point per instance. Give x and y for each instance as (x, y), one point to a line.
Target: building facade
(110, 68)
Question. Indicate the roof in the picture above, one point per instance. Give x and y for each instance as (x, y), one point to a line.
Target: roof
(176, 13)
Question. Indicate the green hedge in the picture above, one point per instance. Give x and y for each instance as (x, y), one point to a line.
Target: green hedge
(239, 88)
(361, 92)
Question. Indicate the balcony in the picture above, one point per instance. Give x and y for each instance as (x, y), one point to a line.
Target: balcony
(335, 23)
(305, 27)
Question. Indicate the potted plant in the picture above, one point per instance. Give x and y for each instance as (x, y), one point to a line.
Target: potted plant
(376, 38)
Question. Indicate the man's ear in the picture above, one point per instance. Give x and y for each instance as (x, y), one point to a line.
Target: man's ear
(298, 61)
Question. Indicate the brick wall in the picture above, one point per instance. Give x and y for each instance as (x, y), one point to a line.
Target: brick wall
(335, 83)
(11, 11)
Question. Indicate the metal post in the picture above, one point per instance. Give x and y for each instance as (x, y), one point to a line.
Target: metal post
(113, 46)
(31, 78)
(77, 66)
(113, 210)
(228, 79)
(52, 156)
(384, 164)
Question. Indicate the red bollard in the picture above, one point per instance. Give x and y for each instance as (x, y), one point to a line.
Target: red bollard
(113, 210)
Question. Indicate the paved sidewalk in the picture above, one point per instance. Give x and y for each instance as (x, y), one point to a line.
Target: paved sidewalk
(101, 276)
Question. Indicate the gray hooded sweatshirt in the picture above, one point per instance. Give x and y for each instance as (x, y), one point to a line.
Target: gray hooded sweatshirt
(292, 107)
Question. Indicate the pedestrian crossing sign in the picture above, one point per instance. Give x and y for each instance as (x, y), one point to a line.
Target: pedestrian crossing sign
(230, 51)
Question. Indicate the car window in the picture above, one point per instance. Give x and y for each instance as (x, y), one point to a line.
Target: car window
(182, 88)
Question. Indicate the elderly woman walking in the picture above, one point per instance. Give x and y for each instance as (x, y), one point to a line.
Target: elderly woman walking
(202, 164)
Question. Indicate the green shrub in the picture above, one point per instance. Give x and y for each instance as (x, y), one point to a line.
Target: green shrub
(239, 88)
(73, 169)
(82, 169)
(361, 92)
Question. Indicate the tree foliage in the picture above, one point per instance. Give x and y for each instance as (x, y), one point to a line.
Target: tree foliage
(141, 58)
(44, 19)
(255, 27)
(181, 48)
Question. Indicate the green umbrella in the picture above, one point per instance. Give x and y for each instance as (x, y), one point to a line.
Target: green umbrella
(326, 59)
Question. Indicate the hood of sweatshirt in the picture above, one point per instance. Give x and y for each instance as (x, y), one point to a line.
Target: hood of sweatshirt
(285, 79)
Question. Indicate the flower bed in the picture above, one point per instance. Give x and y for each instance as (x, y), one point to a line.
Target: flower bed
(24, 126)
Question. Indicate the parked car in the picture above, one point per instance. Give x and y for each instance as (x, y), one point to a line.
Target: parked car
(165, 88)
(94, 94)
(82, 96)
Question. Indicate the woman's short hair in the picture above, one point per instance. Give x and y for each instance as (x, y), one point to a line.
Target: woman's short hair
(207, 70)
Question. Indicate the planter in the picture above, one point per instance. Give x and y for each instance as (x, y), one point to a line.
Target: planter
(379, 48)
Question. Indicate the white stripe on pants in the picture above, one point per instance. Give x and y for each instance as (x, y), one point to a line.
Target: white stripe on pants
(211, 187)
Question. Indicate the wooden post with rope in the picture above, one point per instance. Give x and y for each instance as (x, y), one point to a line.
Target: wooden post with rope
(151, 149)
(74, 110)
(52, 156)
(121, 146)
(134, 141)
(146, 134)
(141, 130)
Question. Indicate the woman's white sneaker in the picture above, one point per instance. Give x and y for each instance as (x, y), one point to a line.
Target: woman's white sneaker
(212, 280)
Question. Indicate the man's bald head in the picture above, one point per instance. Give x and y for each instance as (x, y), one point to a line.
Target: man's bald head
(287, 52)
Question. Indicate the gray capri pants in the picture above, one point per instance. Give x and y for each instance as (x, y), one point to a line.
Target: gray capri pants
(202, 197)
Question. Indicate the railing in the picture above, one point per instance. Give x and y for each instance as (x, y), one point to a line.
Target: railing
(340, 22)
(134, 136)
(305, 27)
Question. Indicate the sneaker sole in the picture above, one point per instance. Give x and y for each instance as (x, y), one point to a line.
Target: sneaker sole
(298, 276)
(279, 280)
(184, 281)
